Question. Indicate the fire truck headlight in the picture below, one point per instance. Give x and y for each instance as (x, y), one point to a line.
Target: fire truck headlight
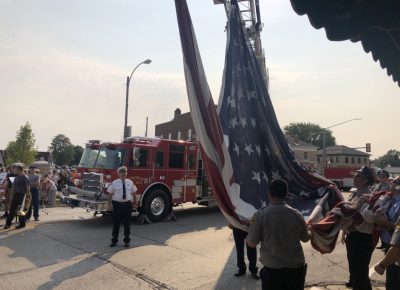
(78, 182)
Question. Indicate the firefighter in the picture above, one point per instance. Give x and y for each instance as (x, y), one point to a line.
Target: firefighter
(122, 196)
(279, 228)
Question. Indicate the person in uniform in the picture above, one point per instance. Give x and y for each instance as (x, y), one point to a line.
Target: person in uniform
(122, 197)
(383, 181)
(279, 228)
(358, 237)
(34, 182)
(239, 237)
(8, 191)
(19, 190)
(392, 253)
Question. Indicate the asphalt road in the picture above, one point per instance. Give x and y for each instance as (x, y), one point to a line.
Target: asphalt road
(69, 249)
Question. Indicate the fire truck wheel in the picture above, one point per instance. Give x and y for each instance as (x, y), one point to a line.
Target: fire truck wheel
(157, 205)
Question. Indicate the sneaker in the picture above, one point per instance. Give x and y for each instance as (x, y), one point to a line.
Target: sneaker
(113, 244)
(6, 227)
(240, 272)
(20, 226)
(255, 275)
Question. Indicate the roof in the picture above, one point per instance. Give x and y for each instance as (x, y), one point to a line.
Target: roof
(292, 141)
(375, 23)
(343, 150)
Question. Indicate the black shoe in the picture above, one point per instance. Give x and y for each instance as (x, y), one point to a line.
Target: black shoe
(36, 219)
(240, 273)
(348, 284)
(20, 226)
(6, 227)
(255, 275)
(126, 245)
(113, 244)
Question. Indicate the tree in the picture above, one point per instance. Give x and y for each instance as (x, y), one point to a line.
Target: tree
(62, 150)
(392, 158)
(23, 148)
(310, 133)
(78, 151)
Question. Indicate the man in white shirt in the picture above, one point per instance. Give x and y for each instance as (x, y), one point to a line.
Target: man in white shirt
(122, 196)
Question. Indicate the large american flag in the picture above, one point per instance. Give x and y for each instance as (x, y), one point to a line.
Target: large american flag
(243, 147)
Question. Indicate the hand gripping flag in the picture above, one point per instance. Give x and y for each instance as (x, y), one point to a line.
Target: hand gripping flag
(243, 148)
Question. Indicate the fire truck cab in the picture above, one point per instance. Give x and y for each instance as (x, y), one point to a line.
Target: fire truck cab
(166, 172)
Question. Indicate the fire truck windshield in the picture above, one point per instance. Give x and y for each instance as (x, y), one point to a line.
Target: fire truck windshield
(102, 158)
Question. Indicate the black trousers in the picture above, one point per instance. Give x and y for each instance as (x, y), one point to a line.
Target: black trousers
(34, 204)
(359, 248)
(240, 239)
(15, 203)
(393, 277)
(283, 278)
(122, 212)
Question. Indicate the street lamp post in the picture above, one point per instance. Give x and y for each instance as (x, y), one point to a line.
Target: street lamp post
(324, 144)
(128, 80)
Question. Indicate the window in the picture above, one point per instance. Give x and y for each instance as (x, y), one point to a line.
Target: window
(178, 137)
(192, 161)
(159, 159)
(103, 157)
(346, 160)
(331, 159)
(359, 160)
(176, 156)
(189, 135)
(319, 160)
(365, 160)
(353, 160)
(305, 156)
(139, 157)
(337, 159)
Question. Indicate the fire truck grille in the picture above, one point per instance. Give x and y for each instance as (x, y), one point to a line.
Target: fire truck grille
(92, 182)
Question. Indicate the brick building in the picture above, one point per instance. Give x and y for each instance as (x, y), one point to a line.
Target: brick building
(179, 128)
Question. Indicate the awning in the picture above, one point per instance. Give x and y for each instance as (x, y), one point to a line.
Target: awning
(375, 23)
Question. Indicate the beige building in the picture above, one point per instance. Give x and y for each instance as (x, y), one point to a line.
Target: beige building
(343, 156)
(305, 153)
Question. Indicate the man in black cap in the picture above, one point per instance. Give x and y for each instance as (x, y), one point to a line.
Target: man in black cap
(358, 237)
(122, 196)
(383, 181)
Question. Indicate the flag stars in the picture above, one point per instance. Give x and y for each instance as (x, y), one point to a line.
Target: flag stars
(236, 149)
(233, 122)
(265, 177)
(243, 122)
(248, 149)
(253, 122)
(256, 176)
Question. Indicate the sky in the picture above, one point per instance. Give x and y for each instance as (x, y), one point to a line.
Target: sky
(64, 63)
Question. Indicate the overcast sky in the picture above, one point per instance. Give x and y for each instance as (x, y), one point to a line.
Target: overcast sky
(63, 68)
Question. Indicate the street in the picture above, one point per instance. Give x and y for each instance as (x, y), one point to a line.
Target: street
(69, 249)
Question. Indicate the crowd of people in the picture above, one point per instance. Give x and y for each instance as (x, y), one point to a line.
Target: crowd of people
(22, 189)
(280, 230)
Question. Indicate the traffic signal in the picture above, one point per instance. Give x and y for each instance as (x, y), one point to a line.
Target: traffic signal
(368, 147)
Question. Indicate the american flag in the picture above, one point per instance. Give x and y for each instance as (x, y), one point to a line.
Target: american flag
(243, 148)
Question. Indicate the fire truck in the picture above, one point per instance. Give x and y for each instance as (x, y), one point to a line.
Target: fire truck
(341, 176)
(167, 173)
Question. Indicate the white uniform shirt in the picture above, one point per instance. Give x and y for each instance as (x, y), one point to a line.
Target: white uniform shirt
(116, 189)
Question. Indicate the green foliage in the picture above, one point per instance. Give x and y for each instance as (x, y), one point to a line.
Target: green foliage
(62, 150)
(392, 158)
(310, 133)
(78, 151)
(23, 148)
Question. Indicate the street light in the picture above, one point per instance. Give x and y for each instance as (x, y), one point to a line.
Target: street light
(128, 80)
(323, 141)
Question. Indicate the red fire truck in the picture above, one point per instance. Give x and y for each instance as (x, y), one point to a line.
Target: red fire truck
(341, 176)
(166, 172)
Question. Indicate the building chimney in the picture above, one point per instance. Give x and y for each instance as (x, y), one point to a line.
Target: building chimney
(177, 113)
